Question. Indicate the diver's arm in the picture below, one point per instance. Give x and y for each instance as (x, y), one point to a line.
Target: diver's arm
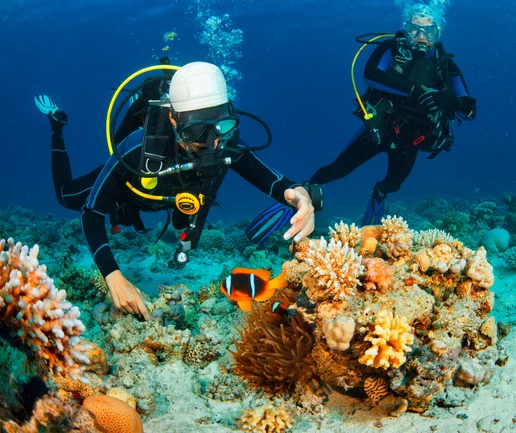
(263, 176)
(105, 196)
(467, 107)
(101, 202)
(378, 72)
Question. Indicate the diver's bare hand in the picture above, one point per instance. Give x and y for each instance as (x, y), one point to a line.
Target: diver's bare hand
(303, 221)
(126, 296)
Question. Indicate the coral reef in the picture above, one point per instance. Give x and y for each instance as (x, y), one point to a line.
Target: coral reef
(419, 310)
(52, 415)
(40, 314)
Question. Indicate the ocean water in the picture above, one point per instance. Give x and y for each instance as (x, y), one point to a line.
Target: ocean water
(295, 63)
(292, 62)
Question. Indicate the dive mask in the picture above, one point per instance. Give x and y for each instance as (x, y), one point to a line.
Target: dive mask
(430, 32)
(194, 127)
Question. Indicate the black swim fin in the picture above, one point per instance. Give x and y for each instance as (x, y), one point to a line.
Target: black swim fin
(271, 219)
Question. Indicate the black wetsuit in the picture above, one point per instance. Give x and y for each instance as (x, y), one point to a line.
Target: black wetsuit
(104, 192)
(405, 129)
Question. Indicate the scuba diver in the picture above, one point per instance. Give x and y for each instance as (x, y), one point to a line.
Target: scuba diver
(182, 145)
(415, 90)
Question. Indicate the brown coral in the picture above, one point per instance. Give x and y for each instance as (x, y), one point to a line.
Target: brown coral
(113, 415)
(201, 351)
(376, 388)
(272, 352)
(378, 275)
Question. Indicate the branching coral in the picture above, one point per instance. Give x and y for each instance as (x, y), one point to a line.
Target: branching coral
(391, 339)
(335, 266)
(42, 317)
(346, 234)
(428, 238)
(393, 226)
(272, 351)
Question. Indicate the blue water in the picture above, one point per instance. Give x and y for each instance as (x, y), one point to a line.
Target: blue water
(296, 62)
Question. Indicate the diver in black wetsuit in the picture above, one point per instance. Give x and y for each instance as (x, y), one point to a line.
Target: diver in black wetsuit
(415, 90)
(202, 143)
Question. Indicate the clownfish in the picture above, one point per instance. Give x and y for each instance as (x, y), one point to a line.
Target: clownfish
(247, 285)
(283, 310)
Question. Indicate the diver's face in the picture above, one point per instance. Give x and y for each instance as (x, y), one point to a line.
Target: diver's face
(422, 31)
(205, 128)
(195, 146)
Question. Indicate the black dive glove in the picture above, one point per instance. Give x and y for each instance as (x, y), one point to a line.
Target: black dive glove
(435, 102)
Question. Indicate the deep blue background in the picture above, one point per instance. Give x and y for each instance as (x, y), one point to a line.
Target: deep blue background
(296, 66)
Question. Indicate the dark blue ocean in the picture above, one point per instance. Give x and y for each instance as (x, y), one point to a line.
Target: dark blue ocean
(296, 58)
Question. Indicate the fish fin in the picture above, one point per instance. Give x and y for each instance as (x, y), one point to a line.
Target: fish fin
(270, 220)
(260, 273)
(245, 305)
(277, 283)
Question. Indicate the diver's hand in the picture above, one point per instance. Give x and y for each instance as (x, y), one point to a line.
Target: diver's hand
(435, 102)
(126, 296)
(48, 107)
(303, 221)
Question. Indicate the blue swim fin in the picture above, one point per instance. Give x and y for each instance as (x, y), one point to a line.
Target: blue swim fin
(375, 208)
(271, 219)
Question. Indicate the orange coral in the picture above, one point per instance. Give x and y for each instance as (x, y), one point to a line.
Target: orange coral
(378, 275)
(371, 232)
(113, 415)
(368, 246)
(98, 362)
(424, 262)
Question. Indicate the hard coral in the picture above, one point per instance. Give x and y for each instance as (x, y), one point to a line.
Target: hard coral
(113, 415)
(42, 317)
(268, 419)
(346, 234)
(391, 339)
(272, 352)
(335, 267)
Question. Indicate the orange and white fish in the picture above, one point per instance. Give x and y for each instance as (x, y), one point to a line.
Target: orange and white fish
(247, 285)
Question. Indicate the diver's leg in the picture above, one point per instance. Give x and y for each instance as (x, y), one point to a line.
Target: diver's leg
(70, 193)
(359, 150)
(399, 167)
